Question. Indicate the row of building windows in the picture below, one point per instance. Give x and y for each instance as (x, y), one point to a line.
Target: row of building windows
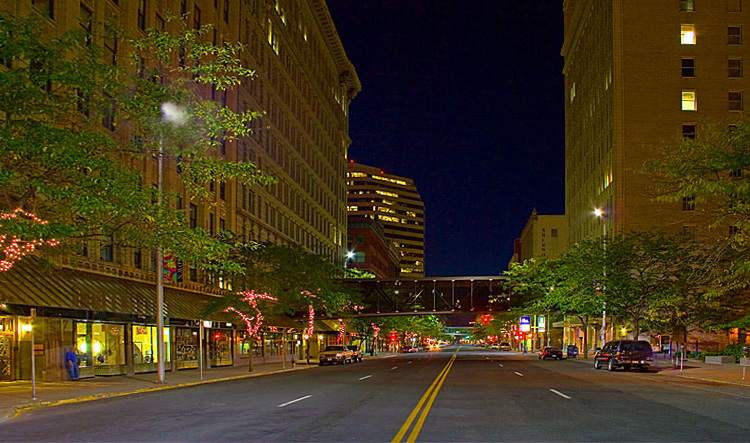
(734, 67)
(688, 34)
(732, 5)
(690, 100)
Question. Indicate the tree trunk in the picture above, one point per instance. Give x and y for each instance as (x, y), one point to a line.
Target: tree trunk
(585, 337)
(741, 336)
(636, 328)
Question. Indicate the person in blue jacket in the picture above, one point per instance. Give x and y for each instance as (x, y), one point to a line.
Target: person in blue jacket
(71, 362)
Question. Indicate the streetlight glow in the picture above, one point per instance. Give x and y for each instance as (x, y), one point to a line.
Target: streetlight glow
(599, 212)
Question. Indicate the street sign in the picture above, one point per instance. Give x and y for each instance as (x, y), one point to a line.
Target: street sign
(525, 324)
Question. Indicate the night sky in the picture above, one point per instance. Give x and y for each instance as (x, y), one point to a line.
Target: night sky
(466, 98)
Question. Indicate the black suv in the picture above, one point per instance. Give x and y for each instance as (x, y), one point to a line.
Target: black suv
(624, 353)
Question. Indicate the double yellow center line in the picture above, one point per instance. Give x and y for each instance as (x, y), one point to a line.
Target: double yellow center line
(427, 399)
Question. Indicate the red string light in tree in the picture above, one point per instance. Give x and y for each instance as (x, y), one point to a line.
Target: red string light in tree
(17, 248)
(341, 330)
(311, 310)
(376, 329)
(253, 323)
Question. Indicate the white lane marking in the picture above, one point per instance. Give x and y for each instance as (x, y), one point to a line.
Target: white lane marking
(559, 393)
(519, 374)
(409, 362)
(501, 365)
(394, 368)
(365, 377)
(294, 401)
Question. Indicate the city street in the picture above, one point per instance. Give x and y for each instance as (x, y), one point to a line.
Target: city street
(456, 394)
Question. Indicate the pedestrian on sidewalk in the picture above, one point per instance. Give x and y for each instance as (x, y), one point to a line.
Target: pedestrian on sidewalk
(71, 361)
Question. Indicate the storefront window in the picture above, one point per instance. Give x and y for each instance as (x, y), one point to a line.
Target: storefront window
(144, 344)
(186, 343)
(107, 344)
(245, 342)
(220, 347)
(82, 343)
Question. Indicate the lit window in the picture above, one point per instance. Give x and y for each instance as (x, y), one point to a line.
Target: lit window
(687, 5)
(735, 101)
(687, 34)
(734, 35)
(688, 67)
(735, 67)
(688, 101)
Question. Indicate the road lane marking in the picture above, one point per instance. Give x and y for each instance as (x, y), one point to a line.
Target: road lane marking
(294, 401)
(501, 365)
(428, 397)
(365, 377)
(394, 368)
(409, 362)
(519, 374)
(560, 393)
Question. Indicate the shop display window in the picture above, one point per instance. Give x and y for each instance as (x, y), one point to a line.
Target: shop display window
(220, 347)
(144, 344)
(108, 344)
(186, 344)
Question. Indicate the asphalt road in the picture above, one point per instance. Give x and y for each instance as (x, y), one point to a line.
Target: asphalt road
(466, 394)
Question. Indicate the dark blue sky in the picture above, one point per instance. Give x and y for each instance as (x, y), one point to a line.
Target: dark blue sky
(466, 98)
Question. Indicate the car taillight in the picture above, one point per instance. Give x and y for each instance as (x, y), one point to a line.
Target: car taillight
(617, 355)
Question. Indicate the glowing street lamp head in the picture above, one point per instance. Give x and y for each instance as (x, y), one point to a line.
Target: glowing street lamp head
(350, 255)
(599, 212)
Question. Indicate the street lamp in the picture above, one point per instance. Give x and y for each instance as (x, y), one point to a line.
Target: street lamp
(599, 212)
(171, 113)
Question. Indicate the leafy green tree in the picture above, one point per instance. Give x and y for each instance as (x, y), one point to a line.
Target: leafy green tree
(77, 128)
(297, 278)
(714, 170)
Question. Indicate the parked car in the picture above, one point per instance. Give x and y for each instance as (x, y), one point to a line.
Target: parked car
(409, 349)
(505, 347)
(495, 346)
(626, 354)
(550, 352)
(356, 353)
(336, 354)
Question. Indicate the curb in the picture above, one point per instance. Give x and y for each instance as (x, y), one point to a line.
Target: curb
(16, 411)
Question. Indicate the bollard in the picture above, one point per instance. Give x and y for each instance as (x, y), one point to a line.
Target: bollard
(744, 366)
(682, 357)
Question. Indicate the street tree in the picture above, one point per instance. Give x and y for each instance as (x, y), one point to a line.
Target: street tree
(78, 126)
(713, 169)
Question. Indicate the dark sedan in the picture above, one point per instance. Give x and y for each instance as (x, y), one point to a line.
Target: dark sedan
(550, 352)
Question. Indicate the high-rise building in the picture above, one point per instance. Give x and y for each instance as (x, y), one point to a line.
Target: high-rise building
(304, 84)
(639, 74)
(395, 202)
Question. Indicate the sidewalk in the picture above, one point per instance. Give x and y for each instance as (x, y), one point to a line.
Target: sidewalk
(697, 370)
(15, 396)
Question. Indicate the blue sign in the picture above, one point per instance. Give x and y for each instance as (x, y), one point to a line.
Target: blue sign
(525, 320)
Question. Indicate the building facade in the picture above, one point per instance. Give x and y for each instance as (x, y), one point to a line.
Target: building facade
(304, 84)
(393, 201)
(542, 236)
(369, 250)
(640, 74)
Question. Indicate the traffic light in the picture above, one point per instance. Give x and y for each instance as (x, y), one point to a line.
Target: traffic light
(394, 337)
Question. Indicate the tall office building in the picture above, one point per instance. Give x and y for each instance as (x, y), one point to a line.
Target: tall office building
(639, 74)
(395, 202)
(104, 298)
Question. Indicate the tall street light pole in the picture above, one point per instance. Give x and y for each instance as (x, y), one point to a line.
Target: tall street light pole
(171, 113)
(600, 214)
